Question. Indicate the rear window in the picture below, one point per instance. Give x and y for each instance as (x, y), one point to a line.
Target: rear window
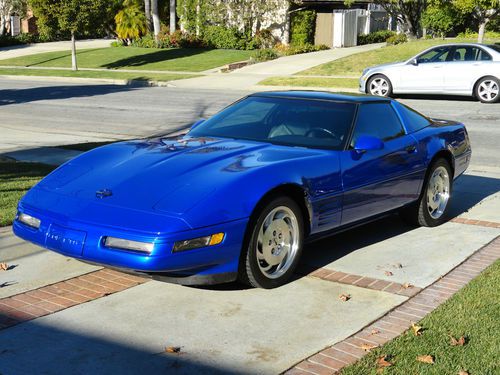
(413, 120)
(495, 47)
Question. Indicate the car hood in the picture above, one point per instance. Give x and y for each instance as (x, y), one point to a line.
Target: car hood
(160, 176)
(388, 65)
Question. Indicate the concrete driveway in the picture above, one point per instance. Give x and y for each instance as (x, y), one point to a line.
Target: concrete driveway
(77, 318)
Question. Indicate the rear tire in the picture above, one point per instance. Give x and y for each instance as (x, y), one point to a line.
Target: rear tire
(379, 85)
(487, 90)
(274, 245)
(432, 207)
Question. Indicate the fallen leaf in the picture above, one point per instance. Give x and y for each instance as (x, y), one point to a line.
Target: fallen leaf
(417, 330)
(459, 342)
(367, 347)
(426, 359)
(374, 332)
(463, 372)
(388, 273)
(383, 362)
(173, 349)
(399, 265)
(345, 297)
(407, 285)
(4, 266)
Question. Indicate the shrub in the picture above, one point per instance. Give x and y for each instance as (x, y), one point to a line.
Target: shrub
(303, 25)
(223, 37)
(375, 37)
(468, 34)
(264, 54)
(117, 43)
(265, 39)
(23, 38)
(287, 50)
(397, 39)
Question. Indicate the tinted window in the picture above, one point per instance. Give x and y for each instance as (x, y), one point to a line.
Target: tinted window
(377, 120)
(294, 122)
(413, 120)
(495, 47)
(438, 54)
(470, 53)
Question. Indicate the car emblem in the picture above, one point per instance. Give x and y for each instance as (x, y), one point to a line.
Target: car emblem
(104, 193)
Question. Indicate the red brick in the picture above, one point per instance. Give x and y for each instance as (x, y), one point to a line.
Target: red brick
(326, 361)
(349, 349)
(49, 306)
(4, 308)
(344, 352)
(89, 293)
(315, 368)
(53, 289)
(66, 301)
(34, 310)
(409, 292)
(12, 303)
(381, 332)
(321, 273)
(26, 299)
(364, 282)
(39, 294)
(418, 307)
(336, 276)
(126, 281)
(20, 315)
(296, 371)
(375, 339)
(350, 279)
(393, 288)
(390, 327)
(380, 284)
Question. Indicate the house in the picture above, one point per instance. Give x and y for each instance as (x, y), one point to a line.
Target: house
(336, 24)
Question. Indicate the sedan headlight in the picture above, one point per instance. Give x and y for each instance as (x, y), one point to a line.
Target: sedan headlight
(120, 243)
(196, 243)
(29, 220)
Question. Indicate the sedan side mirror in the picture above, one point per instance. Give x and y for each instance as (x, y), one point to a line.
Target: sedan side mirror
(366, 143)
(414, 62)
(198, 122)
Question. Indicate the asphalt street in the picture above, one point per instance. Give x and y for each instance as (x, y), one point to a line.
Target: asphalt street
(41, 113)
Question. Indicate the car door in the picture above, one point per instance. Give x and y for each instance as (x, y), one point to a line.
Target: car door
(466, 66)
(425, 73)
(377, 181)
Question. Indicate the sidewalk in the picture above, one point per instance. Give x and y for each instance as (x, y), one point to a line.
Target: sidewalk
(31, 49)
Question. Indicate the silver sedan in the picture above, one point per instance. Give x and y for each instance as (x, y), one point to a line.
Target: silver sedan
(454, 69)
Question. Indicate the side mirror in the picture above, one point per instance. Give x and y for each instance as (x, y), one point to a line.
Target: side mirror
(198, 122)
(414, 62)
(366, 143)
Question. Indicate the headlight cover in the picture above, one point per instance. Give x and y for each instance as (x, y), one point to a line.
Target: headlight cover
(29, 220)
(123, 244)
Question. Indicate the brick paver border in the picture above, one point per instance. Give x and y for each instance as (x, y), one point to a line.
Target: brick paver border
(482, 223)
(61, 295)
(400, 319)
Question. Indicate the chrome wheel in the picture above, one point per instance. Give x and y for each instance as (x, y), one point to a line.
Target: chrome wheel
(379, 86)
(488, 90)
(277, 242)
(438, 192)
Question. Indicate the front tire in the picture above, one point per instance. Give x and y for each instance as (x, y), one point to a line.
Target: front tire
(487, 90)
(379, 85)
(432, 207)
(274, 245)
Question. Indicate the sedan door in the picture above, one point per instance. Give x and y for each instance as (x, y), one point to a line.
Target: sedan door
(425, 74)
(377, 181)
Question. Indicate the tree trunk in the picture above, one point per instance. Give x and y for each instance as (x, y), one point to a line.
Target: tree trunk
(2, 25)
(172, 15)
(156, 17)
(198, 16)
(147, 11)
(73, 52)
(482, 27)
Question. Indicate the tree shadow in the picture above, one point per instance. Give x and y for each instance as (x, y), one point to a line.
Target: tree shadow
(154, 57)
(39, 347)
(32, 94)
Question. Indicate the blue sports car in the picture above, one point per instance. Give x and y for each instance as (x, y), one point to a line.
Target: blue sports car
(237, 195)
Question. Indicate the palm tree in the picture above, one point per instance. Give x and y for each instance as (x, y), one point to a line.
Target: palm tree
(156, 17)
(130, 21)
(172, 15)
(147, 11)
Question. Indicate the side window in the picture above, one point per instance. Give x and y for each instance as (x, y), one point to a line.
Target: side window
(377, 120)
(439, 54)
(413, 120)
(469, 53)
(484, 56)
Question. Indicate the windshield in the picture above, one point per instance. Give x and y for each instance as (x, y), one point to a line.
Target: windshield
(292, 122)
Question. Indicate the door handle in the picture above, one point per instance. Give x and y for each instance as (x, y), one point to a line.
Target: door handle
(411, 149)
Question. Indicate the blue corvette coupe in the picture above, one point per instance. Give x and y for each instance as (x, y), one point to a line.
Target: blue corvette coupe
(237, 196)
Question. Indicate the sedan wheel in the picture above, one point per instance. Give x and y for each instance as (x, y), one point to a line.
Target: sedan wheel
(488, 90)
(275, 244)
(379, 85)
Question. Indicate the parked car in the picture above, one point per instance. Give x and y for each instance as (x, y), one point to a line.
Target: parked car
(238, 195)
(454, 69)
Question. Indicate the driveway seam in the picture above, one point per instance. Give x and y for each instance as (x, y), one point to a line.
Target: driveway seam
(394, 322)
(59, 296)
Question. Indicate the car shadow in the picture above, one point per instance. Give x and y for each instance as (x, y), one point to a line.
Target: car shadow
(457, 98)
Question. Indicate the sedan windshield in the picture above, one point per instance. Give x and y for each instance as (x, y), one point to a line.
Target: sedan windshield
(287, 121)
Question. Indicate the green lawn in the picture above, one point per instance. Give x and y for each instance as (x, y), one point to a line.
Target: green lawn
(354, 64)
(15, 180)
(175, 59)
(111, 74)
(474, 312)
(311, 82)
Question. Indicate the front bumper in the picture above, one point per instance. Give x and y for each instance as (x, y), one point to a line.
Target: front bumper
(362, 83)
(86, 242)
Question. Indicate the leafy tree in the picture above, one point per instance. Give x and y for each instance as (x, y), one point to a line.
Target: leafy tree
(9, 7)
(408, 13)
(131, 22)
(440, 17)
(482, 10)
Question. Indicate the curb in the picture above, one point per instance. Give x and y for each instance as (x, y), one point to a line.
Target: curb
(393, 323)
